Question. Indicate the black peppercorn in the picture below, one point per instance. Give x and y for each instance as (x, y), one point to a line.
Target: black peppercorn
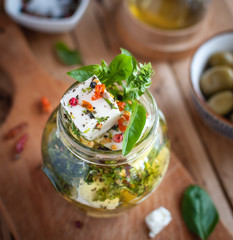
(91, 115)
(119, 97)
(93, 84)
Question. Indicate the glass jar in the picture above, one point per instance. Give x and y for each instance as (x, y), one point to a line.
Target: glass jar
(104, 183)
(169, 14)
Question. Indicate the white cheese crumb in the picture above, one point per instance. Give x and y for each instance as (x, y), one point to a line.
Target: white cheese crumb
(108, 144)
(157, 220)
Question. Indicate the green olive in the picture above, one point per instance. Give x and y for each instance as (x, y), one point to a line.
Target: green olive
(222, 102)
(221, 58)
(216, 79)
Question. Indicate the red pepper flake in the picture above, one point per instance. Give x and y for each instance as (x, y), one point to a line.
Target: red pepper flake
(87, 105)
(100, 88)
(99, 91)
(15, 130)
(45, 103)
(117, 138)
(127, 115)
(121, 105)
(73, 101)
(20, 144)
(121, 125)
(94, 97)
(78, 224)
(99, 125)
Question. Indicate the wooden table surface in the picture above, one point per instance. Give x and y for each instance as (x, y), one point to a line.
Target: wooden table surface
(206, 155)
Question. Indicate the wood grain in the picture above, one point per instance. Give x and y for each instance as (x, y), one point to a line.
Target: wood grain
(6, 94)
(185, 140)
(36, 210)
(7, 227)
(218, 148)
(43, 47)
(171, 90)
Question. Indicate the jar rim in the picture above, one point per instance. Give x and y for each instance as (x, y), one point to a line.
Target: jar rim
(97, 156)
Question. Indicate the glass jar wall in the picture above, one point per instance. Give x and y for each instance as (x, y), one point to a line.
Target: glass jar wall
(169, 14)
(104, 183)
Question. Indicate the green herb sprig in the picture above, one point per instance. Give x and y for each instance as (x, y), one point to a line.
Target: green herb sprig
(124, 71)
(127, 81)
(102, 119)
(71, 125)
(199, 212)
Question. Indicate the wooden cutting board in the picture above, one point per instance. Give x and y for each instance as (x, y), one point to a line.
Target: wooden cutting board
(30, 208)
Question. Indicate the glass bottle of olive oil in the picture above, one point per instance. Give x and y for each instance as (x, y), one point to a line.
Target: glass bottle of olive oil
(169, 14)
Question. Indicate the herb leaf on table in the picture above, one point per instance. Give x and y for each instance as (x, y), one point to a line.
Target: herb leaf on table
(67, 55)
(199, 212)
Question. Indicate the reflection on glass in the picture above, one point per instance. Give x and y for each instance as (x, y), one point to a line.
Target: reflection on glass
(169, 14)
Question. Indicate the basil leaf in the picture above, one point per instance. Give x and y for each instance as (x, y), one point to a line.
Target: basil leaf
(134, 61)
(120, 69)
(199, 212)
(85, 72)
(135, 128)
(128, 107)
(103, 63)
(66, 55)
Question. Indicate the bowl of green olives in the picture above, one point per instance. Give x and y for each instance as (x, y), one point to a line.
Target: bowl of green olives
(211, 77)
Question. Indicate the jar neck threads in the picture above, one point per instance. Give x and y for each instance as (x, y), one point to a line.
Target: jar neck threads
(100, 157)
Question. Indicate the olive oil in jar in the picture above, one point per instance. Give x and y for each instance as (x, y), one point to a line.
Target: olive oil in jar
(168, 14)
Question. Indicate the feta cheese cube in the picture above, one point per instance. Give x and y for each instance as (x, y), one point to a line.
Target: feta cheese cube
(157, 220)
(95, 122)
(108, 142)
